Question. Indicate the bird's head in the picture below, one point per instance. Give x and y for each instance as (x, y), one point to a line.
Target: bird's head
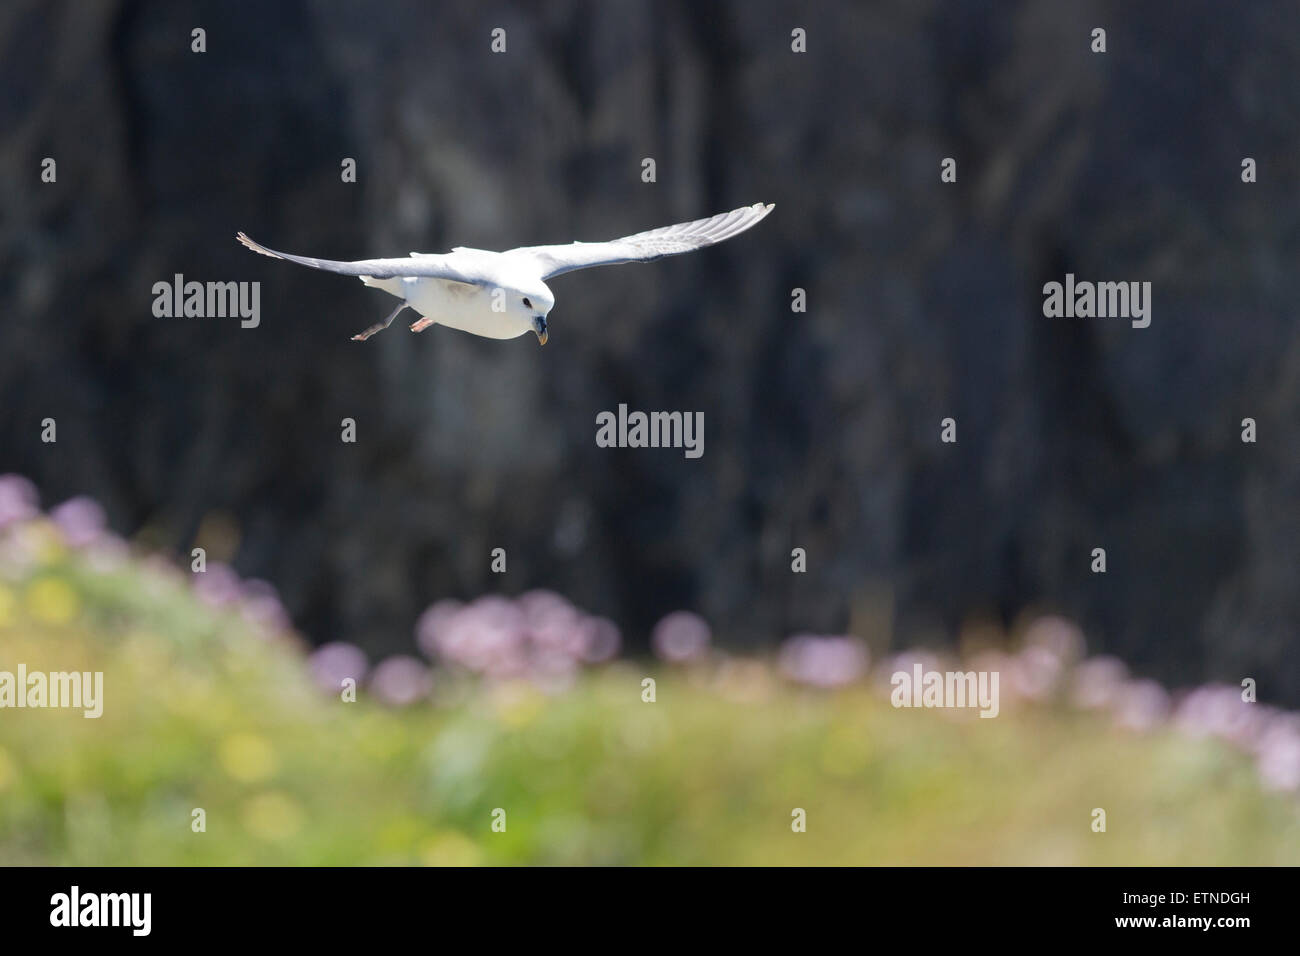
(537, 303)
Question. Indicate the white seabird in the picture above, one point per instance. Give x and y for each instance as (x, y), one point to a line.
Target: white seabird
(501, 295)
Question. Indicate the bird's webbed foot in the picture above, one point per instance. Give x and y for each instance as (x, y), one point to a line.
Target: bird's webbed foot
(379, 327)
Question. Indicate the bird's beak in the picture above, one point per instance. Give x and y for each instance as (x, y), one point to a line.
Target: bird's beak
(539, 329)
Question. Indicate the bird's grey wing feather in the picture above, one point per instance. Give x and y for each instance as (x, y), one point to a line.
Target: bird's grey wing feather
(435, 266)
(644, 246)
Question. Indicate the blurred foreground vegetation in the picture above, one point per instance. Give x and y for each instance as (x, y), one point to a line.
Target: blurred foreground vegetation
(204, 710)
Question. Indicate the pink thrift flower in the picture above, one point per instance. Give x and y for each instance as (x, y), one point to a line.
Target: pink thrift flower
(823, 661)
(680, 637)
(18, 500)
(401, 680)
(81, 520)
(331, 664)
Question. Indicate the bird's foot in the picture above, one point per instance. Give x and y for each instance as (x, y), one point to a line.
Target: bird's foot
(379, 327)
(421, 324)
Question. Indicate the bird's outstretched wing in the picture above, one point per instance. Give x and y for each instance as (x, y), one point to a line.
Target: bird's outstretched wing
(435, 266)
(644, 246)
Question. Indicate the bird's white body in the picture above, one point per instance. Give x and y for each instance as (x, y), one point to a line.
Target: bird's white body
(465, 307)
(492, 307)
(462, 305)
(502, 295)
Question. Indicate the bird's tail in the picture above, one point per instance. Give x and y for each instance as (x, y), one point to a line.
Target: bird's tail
(391, 286)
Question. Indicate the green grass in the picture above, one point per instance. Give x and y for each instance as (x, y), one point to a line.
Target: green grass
(202, 712)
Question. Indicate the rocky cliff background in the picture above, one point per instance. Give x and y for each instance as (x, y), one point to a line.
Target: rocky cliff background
(822, 428)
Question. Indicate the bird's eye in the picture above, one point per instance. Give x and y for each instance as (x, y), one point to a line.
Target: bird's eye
(527, 304)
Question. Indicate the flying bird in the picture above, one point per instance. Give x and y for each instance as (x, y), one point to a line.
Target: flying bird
(501, 295)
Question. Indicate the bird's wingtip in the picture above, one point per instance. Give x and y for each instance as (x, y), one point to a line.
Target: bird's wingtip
(260, 249)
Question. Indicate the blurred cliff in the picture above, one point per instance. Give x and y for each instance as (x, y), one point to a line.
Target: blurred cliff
(924, 301)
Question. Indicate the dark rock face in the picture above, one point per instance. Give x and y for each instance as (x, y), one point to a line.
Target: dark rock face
(924, 302)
